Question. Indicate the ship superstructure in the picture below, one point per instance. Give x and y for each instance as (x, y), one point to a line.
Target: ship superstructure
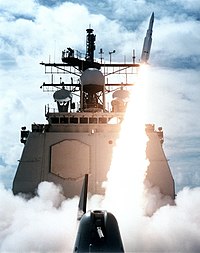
(81, 133)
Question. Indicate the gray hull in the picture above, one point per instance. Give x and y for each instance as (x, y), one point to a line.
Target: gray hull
(63, 154)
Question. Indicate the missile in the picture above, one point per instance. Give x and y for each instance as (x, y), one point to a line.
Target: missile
(147, 41)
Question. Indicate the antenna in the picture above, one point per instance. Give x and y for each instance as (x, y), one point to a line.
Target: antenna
(83, 198)
(133, 56)
(54, 53)
(90, 45)
(101, 54)
(110, 53)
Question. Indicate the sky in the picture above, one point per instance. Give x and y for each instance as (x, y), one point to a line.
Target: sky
(35, 31)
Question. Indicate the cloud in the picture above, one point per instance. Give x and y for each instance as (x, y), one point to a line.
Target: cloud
(192, 5)
(22, 8)
(37, 225)
(173, 40)
(47, 223)
(32, 32)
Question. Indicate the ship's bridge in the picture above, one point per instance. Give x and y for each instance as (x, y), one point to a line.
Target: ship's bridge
(84, 118)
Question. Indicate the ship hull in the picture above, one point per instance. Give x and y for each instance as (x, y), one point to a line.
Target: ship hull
(63, 154)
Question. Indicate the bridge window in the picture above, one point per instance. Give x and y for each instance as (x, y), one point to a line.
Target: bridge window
(55, 120)
(64, 120)
(83, 120)
(74, 120)
(102, 120)
(92, 120)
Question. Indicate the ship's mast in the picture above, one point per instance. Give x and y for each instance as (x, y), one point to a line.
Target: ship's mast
(90, 45)
(92, 79)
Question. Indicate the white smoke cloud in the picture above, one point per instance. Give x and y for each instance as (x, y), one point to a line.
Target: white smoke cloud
(47, 223)
(154, 199)
(30, 32)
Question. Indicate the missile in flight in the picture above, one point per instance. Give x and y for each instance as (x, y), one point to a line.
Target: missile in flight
(147, 41)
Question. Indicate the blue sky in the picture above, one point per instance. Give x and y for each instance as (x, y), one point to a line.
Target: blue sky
(33, 30)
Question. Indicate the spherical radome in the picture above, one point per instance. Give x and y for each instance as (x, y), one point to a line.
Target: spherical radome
(92, 76)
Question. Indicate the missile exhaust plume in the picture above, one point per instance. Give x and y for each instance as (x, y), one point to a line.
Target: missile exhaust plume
(129, 164)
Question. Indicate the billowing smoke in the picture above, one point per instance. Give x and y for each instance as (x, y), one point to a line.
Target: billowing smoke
(47, 223)
(148, 221)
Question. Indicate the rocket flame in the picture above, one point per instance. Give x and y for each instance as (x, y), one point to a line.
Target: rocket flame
(124, 188)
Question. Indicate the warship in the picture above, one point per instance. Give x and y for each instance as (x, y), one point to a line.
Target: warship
(80, 133)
